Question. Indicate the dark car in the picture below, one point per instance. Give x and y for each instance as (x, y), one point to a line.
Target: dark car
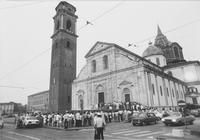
(176, 118)
(144, 118)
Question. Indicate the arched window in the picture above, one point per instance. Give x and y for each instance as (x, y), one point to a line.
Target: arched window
(176, 52)
(93, 66)
(167, 92)
(57, 25)
(161, 91)
(169, 73)
(69, 24)
(68, 44)
(158, 61)
(105, 61)
(153, 89)
(173, 92)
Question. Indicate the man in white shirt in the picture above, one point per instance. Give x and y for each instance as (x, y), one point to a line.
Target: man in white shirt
(99, 125)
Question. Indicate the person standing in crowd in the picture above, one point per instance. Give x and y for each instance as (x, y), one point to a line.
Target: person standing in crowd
(99, 125)
(66, 117)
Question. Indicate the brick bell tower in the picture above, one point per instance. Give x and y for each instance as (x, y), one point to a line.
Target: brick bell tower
(63, 58)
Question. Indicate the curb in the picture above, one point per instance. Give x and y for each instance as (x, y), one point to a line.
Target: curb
(195, 132)
(68, 129)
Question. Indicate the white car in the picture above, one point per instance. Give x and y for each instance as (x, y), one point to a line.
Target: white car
(1, 122)
(176, 118)
(30, 121)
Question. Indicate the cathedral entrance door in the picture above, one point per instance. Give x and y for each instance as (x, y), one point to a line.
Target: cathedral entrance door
(127, 97)
(101, 98)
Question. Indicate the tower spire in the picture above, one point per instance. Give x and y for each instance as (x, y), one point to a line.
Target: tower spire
(159, 30)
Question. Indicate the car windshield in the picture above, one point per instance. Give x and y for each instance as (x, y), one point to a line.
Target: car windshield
(175, 114)
(31, 118)
(135, 114)
(142, 115)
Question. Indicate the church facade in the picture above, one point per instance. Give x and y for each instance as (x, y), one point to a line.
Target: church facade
(113, 74)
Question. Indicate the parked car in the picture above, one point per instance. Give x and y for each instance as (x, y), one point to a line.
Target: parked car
(144, 118)
(131, 116)
(176, 118)
(195, 112)
(1, 122)
(31, 121)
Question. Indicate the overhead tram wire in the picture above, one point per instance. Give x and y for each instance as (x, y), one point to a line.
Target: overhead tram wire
(12, 87)
(101, 15)
(28, 62)
(98, 17)
(22, 5)
(25, 64)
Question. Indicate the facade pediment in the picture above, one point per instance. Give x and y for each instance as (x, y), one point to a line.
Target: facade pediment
(99, 46)
(125, 83)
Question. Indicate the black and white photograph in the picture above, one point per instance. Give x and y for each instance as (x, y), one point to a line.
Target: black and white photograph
(99, 70)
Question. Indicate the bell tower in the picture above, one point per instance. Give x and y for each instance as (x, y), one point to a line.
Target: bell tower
(63, 58)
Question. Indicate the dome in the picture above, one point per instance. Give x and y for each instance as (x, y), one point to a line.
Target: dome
(152, 50)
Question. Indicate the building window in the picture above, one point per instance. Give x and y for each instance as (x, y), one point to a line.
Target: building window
(153, 89)
(176, 52)
(68, 44)
(69, 24)
(105, 61)
(167, 92)
(161, 91)
(158, 61)
(169, 73)
(173, 92)
(57, 25)
(93, 66)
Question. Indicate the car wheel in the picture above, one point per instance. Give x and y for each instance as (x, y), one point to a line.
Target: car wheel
(191, 122)
(143, 123)
(133, 124)
(166, 124)
(155, 122)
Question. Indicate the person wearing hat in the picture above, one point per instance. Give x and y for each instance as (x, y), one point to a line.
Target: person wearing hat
(99, 125)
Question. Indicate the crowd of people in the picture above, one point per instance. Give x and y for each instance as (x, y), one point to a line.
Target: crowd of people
(84, 118)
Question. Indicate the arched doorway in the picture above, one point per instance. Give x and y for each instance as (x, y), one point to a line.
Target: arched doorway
(127, 98)
(126, 93)
(100, 96)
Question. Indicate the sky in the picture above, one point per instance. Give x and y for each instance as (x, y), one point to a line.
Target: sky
(26, 28)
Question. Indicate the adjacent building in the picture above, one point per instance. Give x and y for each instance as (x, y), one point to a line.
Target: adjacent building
(11, 108)
(38, 102)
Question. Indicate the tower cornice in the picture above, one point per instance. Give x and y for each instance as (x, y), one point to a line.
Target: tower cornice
(64, 31)
(66, 13)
